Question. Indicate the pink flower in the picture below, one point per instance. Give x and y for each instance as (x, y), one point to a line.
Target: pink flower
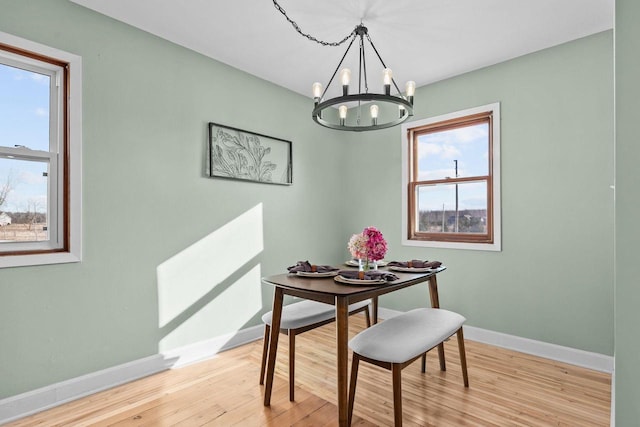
(375, 243)
(368, 245)
(358, 246)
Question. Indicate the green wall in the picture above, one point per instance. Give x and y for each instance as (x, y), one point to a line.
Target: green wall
(553, 279)
(172, 257)
(627, 295)
(146, 201)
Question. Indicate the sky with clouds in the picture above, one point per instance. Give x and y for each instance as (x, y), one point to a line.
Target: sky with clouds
(437, 153)
(24, 121)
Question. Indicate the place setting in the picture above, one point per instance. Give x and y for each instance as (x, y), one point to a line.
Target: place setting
(306, 269)
(364, 278)
(413, 266)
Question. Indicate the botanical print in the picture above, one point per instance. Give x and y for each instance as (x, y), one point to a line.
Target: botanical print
(243, 155)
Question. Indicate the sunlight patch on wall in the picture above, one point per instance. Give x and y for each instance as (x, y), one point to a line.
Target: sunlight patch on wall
(186, 280)
(229, 311)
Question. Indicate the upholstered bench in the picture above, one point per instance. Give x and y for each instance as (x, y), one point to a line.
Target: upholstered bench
(395, 343)
(301, 317)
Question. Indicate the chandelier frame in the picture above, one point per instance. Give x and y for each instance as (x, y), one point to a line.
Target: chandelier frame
(404, 102)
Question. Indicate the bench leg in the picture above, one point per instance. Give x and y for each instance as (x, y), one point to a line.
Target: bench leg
(424, 363)
(265, 350)
(443, 364)
(352, 386)
(292, 363)
(396, 372)
(374, 309)
(463, 357)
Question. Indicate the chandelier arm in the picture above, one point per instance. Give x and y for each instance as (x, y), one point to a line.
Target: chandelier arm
(364, 65)
(360, 67)
(384, 65)
(360, 59)
(339, 64)
(310, 37)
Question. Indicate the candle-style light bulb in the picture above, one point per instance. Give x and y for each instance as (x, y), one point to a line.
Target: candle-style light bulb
(411, 90)
(374, 114)
(387, 78)
(316, 89)
(342, 112)
(345, 78)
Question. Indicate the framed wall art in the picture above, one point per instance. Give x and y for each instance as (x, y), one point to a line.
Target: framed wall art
(248, 156)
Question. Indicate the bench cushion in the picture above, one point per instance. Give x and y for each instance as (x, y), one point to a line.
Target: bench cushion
(307, 312)
(406, 336)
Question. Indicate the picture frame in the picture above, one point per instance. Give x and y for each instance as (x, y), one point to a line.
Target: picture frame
(248, 156)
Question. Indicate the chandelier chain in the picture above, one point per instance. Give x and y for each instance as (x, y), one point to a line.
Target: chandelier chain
(310, 37)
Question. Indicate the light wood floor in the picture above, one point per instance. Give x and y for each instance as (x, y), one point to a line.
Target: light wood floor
(506, 389)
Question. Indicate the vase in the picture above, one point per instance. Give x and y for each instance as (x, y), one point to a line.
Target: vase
(366, 264)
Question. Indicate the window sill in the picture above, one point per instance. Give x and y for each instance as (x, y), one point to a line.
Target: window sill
(494, 247)
(38, 259)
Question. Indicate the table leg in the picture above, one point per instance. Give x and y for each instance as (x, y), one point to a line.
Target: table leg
(342, 336)
(435, 303)
(273, 343)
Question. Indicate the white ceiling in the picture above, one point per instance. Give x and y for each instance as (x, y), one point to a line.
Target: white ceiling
(421, 40)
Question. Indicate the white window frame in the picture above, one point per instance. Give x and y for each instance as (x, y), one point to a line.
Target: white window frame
(406, 145)
(53, 250)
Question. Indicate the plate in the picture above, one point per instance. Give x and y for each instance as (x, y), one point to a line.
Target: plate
(342, 279)
(411, 269)
(354, 263)
(316, 274)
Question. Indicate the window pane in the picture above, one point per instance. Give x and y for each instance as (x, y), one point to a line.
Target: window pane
(437, 208)
(23, 200)
(438, 151)
(24, 108)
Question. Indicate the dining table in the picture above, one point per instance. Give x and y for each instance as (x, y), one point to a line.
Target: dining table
(341, 295)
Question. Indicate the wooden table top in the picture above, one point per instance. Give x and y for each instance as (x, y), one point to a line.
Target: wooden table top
(329, 287)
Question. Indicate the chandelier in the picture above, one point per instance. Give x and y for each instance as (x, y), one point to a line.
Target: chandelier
(364, 110)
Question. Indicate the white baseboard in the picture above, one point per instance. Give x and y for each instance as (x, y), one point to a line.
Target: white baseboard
(21, 405)
(28, 403)
(573, 356)
(585, 359)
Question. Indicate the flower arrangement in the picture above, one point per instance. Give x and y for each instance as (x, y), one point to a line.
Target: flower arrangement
(368, 245)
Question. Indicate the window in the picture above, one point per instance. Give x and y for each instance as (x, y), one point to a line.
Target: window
(40, 154)
(451, 180)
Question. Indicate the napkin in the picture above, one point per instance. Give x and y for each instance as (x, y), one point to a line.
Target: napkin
(368, 275)
(415, 263)
(307, 267)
